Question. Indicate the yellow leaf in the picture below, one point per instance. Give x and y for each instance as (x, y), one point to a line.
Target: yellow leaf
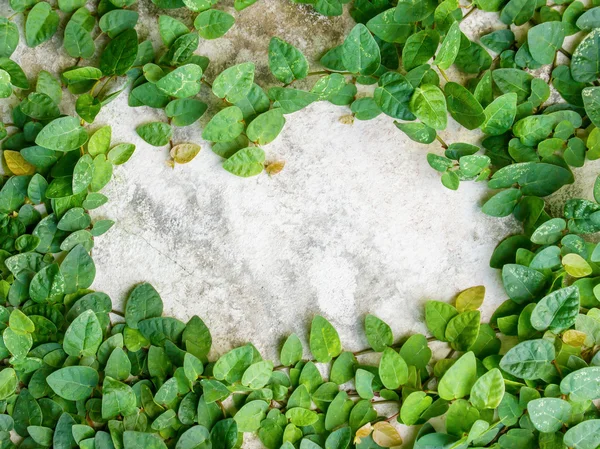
(184, 152)
(576, 265)
(347, 119)
(16, 164)
(386, 435)
(470, 299)
(574, 338)
(274, 167)
(363, 432)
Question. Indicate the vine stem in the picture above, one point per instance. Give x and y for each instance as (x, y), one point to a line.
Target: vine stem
(565, 53)
(110, 78)
(469, 12)
(116, 312)
(441, 141)
(557, 368)
(364, 352)
(327, 72)
(393, 417)
(444, 74)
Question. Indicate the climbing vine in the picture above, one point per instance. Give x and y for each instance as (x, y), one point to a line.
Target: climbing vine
(72, 377)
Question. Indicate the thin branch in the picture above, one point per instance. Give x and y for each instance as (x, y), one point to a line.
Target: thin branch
(444, 146)
(566, 53)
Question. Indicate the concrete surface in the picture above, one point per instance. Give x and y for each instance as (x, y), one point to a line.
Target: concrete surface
(356, 223)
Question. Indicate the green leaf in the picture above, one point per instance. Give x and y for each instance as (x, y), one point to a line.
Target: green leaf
(8, 383)
(429, 105)
(248, 418)
(266, 127)
(521, 283)
(115, 22)
(343, 368)
(119, 154)
(78, 269)
(199, 5)
(170, 29)
(74, 220)
(301, 417)
(586, 58)
(437, 316)
(117, 399)
(387, 29)
(9, 38)
(582, 385)
(584, 435)
(143, 302)
(62, 134)
(257, 375)
(414, 406)
(487, 392)
(133, 439)
(213, 23)
(589, 20)
(518, 11)
(197, 437)
(499, 40)
(234, 83)
(591, 102)
(393, 370)
(324, 340)
(544, 40)
(47, 84)
(246, 162)
(419, 132)
(232, 365)
(182, 82)
(73, 383)
(78, 42)
(513, 80)
(291, 351)
(83, 336)
(462, 330)
(458, 380)
(360, 52)
(47, 284)
(549, 414)
(449, 49)
(500, 114)
(157, 134)
(17, 76)
(185, 111)
(410, 11)
(120, 54)
(286, 62)
(557, 311)
(393, 96)
(463, 106)
(70, 5)
(225, 125)
(41, 24)
(529, 360)
(88, 107)
(503, 203)
(39, 106)
(291, 100)
(419, 48)
(379, 334)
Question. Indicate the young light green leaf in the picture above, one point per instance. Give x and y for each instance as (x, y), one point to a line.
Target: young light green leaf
(324, 340)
